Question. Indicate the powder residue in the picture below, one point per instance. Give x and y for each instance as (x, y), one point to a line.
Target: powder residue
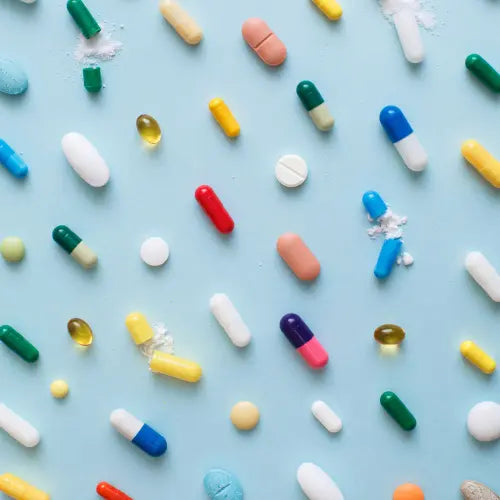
(101, 47)
(423, 12)
(406, 259)
(390, 225)
(162, 341)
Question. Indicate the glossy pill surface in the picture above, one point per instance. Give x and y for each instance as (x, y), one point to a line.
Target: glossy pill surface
(298, 257)
(148, 129)
(139, 328)
(73, 244)
(330, 8)
(479, 358)
(80, 331)
(316, 484)
(224, 117)
(213, 207)
(263, 41)
(387, 257)
(185, 26)
(230, 320)
(374, 204)
(12, 161)
(245, 415)
(221, 484)
(483, 421)
(480, 68)
(389, 334)
(12, 249)
(474, 490)
(13, 79)
(174, 366)
(18, 489)
(482, 160)
(398, 411)
(17, 343)
(18, 428)
(92, 79)
(83, 18)
(484, 274)
(315, 105)
(109, 492)
(408, 491)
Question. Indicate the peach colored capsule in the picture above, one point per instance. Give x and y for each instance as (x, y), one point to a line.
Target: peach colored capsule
(263, 41)
(297, 255)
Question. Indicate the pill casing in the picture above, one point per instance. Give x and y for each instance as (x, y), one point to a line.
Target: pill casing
(484, 274)
(149, 129)
(92, 79)
(185, 26)
(483, 421)
(387, 257)
(221, 484)
(83, 18)
(230, 320)
(74, 245)
(139, 328)
(17, 343)
(409, 35)
(18, 428)
(330, 8)
(109, 492)
(12, 161)
(374, 204)
(304, 341)
(474, 490)
(19, 489)
(315, 105)
(316, 483)
(298, 256)
(389, 334)
(174, 366)
(326, 417)
(224, 117)
(214, 208)
(480, 68)
(398, 411)
(80, 331)
(139, 433)
(479, 358)
(263, 41)
(482, 160)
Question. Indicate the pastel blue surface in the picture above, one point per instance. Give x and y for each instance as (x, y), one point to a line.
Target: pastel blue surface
(387, 257)
(395, 123)
(358, 64)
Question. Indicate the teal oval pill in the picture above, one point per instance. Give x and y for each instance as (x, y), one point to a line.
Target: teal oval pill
(17, 343)
(480, 68)
(398, 411)
(221, 484)
(13, 79)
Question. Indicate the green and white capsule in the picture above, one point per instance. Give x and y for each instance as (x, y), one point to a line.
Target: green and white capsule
(315, 104)
(74, 245)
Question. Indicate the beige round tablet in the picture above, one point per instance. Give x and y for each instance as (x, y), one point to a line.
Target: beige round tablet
(59, 389)
(245, 415)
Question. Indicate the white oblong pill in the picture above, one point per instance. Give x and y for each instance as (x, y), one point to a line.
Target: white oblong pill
(85, 159)
(229, 318)
(409, 35)
(18, 428)
(316, 483)
(484, 274)
(291, 171)
(326, 416)
(154, 251)
(483, 421)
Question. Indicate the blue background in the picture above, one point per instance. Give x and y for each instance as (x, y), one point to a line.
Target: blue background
(358, 66)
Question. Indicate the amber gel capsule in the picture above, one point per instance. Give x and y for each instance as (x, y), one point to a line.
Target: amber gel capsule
(389, 335)
(148, 129)
(80, 331)
(398, 411)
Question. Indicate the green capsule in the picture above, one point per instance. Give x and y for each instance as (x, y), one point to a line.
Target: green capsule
(483, 71)
(389, 335)
(315, 105)
(92, 79)
(398, 411)
(82, 16)
(74, 245)
(16, 342)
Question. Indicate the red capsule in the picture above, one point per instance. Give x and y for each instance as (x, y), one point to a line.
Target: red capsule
(105, 490)
(214, 208)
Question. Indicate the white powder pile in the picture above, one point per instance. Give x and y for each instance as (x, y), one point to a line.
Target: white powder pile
(423, 13)
(162, 341)
(406, 259)
(101, 47)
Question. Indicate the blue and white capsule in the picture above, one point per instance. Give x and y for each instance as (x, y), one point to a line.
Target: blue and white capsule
(374, 204)
(387, 257)
(12, 161)
(139, 433)
(404, 138)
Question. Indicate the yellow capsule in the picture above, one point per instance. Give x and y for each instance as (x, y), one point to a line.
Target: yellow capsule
(148, 129)
(389, 334)
(330, 8)
(473, 353)
(139, 328)
(80, 331)
(173, 366)
(19, 489)
(483, 161)
(224, 117)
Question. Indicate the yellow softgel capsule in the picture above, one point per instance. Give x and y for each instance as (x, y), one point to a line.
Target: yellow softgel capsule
(59, 389)
(483, 161)
(330, 8)
(473, 353)
(80, 331)
(224, 117)
(148, 129)
(19, 489)
(245, 415)
(139, 328)
(173, 366)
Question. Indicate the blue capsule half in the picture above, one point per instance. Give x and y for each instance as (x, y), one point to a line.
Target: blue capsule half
(295, 330)
(387, 257)
(12, 161)
(374, 204)
(395, 123)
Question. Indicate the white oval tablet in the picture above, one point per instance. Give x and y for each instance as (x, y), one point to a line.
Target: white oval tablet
(229, 318)
(291, 171)
(85, 159)
(155, 251)
(484, 274)
(18, 428)
(317, 484)
(326, 416)
(483, 421)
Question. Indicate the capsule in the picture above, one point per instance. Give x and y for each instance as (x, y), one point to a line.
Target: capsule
(387, 257)
(18, 428)
(74, 245)
(139, 433)
(483, 161)
(409, 35)
(475, 355)
(214, 208)
(109, 492)
(389, 334)
(19, 489)
(80, 331)
(148, 129)
(12, 161)
(224, 117)
(374, 204)
(304, 341)
(484, 274)
(263, 41)
(185, 26)
(404, 138)
(17, 343)
(315, 105)
(139, 328)
(229, 318)
(92, 79)
(173, 366)
(398, 411)
(330, 8)
(83, 18)
(480, 68)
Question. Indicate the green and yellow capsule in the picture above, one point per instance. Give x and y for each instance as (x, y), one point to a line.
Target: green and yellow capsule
(74, 245)
(17, 343)
(480, 68)
(315, 105)
(398, 411)
(389, 335)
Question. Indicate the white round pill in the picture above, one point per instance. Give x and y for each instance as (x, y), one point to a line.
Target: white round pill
(483, 421)
(291, 171)
(155, 251)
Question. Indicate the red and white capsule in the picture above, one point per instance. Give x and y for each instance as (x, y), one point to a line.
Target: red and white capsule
(214, 208)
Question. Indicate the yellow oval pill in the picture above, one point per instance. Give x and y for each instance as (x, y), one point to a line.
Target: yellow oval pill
(245, 415)
(483, 161)
(473, 353)
(330, 8)
(148, 129)
(224, 117)
(80, 331)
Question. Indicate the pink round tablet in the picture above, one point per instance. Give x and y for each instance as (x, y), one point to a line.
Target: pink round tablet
(263, 41)
(297, 255)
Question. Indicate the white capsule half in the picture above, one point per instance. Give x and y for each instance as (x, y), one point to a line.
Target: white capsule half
(412, 152)
(409, 35)
(125, 423)
(484, 274)
(85, 159)
(229, 318)
(18, 428)
(326, 416)
(317, 484)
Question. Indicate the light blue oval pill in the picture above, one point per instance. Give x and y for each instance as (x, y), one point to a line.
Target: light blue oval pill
(374, 204)
(221, 484)
(13, 79)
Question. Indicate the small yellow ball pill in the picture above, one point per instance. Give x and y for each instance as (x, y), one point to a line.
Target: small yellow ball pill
(59, 389)
(148, 129)
(480, 359)
(245, 415)
(12, 249)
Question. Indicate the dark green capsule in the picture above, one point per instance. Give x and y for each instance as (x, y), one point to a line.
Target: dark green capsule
(398, 411)
(483, 71)
(82, 16)
(92, 79)
(15, 341)
(309, 95)
(66, 238)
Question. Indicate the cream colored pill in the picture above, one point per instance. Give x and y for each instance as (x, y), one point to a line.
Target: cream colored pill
(326, 416)
(59, 389)
(245, 415)
(473, 490)
(185, 26)
(291, 171)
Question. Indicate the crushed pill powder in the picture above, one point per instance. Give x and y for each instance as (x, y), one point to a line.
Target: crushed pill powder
(101, 47)
(162, 341)
(423, 13)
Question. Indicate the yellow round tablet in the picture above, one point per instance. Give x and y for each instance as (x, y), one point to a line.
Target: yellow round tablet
(59, 389)
(245, 415)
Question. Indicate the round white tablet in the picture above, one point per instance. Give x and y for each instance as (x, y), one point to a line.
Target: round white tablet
(154, 251)
(291, 171)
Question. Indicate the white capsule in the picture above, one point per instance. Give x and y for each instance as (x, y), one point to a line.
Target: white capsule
(18, 428)
(484, 274)
(125, 423)
(412, 152)
(85, 159)
(230, 320)
(317, 484)
(326, 416)
(291, 171)
(409, 35)
(483, 421)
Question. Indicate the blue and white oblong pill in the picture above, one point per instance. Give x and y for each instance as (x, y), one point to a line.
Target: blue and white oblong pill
(139, 433)
(317, 484)
(404, 138)
(12, 161)
(13, 79)
(387, 257)
(374, 204)
(221, 484)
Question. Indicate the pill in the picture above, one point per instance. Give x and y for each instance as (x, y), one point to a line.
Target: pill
(326, 416)
(185, 26)
(483, 421)
(291, 171)
(304, 341)
(389, 334)
(475, 355)
(315, 105)
(19, 489)
(139, 328)
(80, 331)
(409, 35)
(480, 68)
(229, 318)
(387, 257)
(404, 138)
(408, 491)
(330, 8)
(316, 483)
(220, 484)
(298, 257)
(263, 41)
(174, 366)
(245, 415)
(374, 204)
(214, 208)
(154, 251)
(484, 274)
(18, 428)
(12, 249)
(13, 79)
(109, 492)
(59, 389)
(224, 117)
(137, 432)
(473, 490)
(398, 411)
(12, 161)
(92, 79)
(148, 129)
(83, 18)
(74, 245)
(482, 160)
(17, 343)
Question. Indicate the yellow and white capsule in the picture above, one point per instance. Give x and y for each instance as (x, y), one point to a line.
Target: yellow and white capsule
(480, 359)
(139, 328)
(19, 489)
(185, 26)
(224, 117)
(483, 161)
(330, 8)
(173, 366)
